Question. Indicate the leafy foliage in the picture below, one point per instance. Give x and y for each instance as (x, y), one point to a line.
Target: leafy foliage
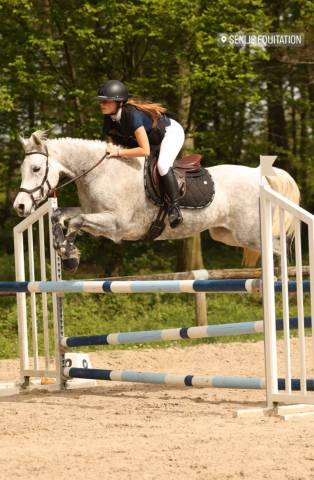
(243, 101)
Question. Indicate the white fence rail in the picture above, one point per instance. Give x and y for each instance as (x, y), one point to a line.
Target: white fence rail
(34, 317)
(292, 357)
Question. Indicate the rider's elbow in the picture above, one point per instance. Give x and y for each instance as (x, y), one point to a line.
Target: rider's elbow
(146, 151)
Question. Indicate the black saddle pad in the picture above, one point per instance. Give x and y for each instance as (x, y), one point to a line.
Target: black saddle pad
(197, 190)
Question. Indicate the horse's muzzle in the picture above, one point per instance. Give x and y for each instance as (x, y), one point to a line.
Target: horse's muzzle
(20, 209)
(22, 205)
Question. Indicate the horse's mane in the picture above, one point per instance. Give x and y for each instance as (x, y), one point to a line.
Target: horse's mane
(74, 140)
(42, 136)
(70, 143)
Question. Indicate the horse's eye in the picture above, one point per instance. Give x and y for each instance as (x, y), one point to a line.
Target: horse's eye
(36, 169)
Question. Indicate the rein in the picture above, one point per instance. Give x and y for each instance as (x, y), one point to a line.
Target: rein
(81, 174)
(45, 178)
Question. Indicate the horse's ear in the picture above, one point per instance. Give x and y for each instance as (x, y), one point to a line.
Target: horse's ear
(40, 136)
(45, 133)
(36, 138)
(23, 141)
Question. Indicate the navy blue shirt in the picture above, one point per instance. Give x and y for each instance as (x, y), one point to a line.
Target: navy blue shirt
(141, 119)
(123, 131)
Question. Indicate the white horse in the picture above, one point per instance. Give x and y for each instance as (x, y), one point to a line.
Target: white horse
(114, 203)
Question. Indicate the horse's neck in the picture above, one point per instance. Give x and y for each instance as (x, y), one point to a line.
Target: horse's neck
(74, 156)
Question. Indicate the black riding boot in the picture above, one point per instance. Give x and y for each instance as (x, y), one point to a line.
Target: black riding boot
(171, 187)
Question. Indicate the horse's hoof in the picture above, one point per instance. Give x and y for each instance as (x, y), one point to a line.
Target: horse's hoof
(70, 264)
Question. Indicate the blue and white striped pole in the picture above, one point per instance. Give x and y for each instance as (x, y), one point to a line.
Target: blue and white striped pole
(123, 338)
(204, 381)
(145, 286)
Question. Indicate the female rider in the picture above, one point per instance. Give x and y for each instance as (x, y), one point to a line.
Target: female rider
(136, 125)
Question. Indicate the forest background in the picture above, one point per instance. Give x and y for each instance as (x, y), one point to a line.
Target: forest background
(234, 102)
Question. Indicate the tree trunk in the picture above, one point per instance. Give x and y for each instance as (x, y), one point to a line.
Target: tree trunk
(190, 254)
(293, 123)
(72, 74)
(276, 122)
(274, 74)
(238, 126)
(190, 249)
(31, 113)
(310, 73)
(216, 118)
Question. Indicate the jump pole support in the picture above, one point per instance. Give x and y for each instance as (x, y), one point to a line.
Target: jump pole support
(200, 299)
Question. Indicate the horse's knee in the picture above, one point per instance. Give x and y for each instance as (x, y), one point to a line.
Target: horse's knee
(75, 224)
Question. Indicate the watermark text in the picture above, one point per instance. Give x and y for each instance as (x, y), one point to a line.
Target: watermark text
(262, 39)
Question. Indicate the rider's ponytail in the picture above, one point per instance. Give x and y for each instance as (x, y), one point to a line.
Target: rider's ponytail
(154, 110)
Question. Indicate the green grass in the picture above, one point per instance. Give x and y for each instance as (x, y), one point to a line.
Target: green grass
(96, 314)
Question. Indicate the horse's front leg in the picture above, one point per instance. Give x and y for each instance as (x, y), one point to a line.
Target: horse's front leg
(65, 248)
(62, 215)
(98, 224)
(104, 224)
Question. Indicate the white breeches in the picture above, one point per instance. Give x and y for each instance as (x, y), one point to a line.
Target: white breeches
(170, 146)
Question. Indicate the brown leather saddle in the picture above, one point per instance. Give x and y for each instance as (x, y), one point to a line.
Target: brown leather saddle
(195, 183)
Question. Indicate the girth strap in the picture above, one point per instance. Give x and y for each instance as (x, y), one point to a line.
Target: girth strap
(157, 226)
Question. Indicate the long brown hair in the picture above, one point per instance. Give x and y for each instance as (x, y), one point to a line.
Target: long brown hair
(154, 110)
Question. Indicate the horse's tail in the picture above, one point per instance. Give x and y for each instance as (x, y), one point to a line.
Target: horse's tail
(284, 184)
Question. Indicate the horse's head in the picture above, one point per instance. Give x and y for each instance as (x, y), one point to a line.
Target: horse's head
(37, 177)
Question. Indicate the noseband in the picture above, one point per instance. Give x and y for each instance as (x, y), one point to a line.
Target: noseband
(42, 185)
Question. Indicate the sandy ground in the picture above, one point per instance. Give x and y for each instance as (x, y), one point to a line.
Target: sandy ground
(133, 431)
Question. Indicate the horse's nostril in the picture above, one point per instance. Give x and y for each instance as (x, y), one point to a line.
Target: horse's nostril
(21, 207)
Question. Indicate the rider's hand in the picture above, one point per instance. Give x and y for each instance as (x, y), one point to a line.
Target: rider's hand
(113, 151)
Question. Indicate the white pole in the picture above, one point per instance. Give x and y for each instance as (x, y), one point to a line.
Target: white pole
(311, 263)
(21, 302)
(270, 346)
(56, 299)
(33, 296)
(299, 279)
(44, 297)
(285, 300)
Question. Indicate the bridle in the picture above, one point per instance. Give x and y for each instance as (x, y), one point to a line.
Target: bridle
(45, 180)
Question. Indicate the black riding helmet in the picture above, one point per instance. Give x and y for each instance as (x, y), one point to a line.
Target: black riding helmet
(113, 90)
